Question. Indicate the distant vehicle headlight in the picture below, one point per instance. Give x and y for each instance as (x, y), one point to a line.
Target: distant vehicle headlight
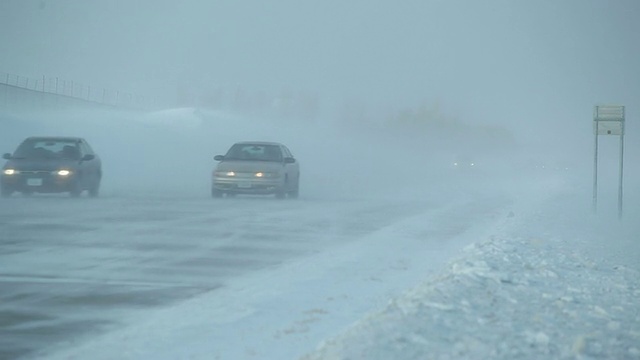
(10, 172)
(63, 172)
(225, 173)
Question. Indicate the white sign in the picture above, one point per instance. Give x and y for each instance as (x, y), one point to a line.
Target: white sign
(608, 128)
(608, 120)
(608, 113)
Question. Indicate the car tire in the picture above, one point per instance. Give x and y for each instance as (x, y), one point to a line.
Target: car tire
(76, 190)
(215, 193)
(296, 190)
(95, 190)
(281, 193)
(6, 192)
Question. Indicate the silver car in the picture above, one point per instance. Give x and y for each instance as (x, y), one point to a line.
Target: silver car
(256, 167)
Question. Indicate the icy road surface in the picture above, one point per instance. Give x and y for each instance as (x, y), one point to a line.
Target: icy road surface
(72, 269)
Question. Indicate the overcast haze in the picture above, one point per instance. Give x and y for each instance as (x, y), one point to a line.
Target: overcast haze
(529, 62)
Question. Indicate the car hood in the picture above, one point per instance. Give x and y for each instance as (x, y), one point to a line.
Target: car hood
(249, 166)
(40, 164)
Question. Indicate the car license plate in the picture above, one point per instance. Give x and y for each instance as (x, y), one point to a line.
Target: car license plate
(244, 185)
(34, 182)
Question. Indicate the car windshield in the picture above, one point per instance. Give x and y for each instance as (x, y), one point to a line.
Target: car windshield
(254, 152)
(47, 149)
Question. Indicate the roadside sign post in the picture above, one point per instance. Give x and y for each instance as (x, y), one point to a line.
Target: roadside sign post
(608, 120)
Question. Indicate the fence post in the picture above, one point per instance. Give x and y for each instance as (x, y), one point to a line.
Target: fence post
(71, 89)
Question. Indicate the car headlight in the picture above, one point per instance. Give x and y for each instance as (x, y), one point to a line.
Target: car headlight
(225, 173)
(266, 175)
(63, 172)
(10, 172)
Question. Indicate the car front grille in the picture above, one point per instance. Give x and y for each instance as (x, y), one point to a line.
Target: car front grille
(245, 175)
(35, 172)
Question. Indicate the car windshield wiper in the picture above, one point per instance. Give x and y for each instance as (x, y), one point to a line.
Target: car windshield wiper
(39, 157)
(242, 159)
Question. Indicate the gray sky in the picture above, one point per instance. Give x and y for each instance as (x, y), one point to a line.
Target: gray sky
(531, 62)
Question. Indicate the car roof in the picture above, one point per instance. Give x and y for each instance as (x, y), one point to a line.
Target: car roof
(55, 138)
(257, 143)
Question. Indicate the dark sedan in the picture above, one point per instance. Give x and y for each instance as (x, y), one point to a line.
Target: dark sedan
(52, 165)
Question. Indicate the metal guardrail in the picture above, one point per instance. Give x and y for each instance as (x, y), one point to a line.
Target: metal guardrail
(78, 91)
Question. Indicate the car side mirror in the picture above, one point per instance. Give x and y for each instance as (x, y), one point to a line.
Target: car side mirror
(289, 160)
(6, 156)
(218, 157)
(88, 157)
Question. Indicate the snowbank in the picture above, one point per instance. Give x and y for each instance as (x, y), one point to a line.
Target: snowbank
(534, 292)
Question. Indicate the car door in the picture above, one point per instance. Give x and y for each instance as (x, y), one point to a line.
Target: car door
(90, 168)
(292, 169)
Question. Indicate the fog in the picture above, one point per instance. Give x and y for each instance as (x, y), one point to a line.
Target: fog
(428, 125)
(172, 152)
(372, 91)
(528, 66)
